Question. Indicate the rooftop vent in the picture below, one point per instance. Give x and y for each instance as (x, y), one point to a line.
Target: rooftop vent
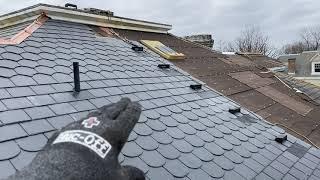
(196, 86)
(137, 48)
(76, 76)
(235, 110)
(99, 11)
(69, 5)
(164, 66)
(281, 138)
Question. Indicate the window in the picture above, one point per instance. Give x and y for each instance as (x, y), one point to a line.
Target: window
(162, 50)
(315, 68)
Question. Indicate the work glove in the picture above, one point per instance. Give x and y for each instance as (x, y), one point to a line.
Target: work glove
(88, 149)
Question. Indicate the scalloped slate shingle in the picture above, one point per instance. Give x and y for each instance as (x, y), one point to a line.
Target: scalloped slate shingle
(181, 133)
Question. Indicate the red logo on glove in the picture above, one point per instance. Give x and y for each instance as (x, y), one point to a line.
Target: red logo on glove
(90, 122)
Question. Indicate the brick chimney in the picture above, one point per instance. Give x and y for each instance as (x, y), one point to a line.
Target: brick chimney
(292, 66)
(203, 39)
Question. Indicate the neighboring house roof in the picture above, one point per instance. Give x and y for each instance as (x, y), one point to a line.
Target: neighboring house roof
(306, 56)
(284, 58)
(182, 133)
(312, 92)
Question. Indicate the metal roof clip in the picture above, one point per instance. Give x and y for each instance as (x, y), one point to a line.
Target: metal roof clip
(164, 66)
(235, 110)
(281, 138)
(137, 48)
(196, 86)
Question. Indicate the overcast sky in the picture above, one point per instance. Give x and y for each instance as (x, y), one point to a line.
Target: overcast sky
(282, 20)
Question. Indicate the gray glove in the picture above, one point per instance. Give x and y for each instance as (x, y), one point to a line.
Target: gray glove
(89, 148)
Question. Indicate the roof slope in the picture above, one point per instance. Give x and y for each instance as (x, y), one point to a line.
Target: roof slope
(182, 133)
(229, 75)
(310, 90)
(9, 32)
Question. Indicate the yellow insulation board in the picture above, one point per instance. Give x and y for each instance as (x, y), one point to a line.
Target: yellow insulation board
(163, 50)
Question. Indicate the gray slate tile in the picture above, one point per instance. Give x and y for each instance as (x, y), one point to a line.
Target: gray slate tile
(162, 137)
(176, 168)
(198, 174)
(272, 172)
(136, 162)
(234, 157)
(153, 158)
(20, 91)
(17, 103)
(182, 146)
(213, 169)
(230, 175)
(32, 143)
(4, 94)
(39, 112)
(13, 116)
(147, 143)
(263, 176)
(131, 149)
(37, 126)
(6, 169)
(8, 150)
(43, 89)
(83, 105)
(168, 151)
(61, 109)
(23, 159)
(159, 174)
(41, 100)
(190, 160)
(60, 121)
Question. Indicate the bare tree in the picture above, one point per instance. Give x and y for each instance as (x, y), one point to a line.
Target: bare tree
(311, 37)
(309, 41)
(252, 40)
(294, 48)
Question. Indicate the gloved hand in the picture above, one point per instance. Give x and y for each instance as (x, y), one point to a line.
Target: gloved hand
(88, 149)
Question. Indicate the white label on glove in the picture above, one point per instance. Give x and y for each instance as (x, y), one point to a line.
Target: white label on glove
(92, 141)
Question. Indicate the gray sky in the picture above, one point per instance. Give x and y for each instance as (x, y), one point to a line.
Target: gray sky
(282, 20)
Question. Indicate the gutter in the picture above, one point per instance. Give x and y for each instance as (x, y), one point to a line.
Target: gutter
(80, 16)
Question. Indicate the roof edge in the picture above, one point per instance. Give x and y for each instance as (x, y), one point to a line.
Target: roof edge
(250, 53)
(80, 16)
(26, 32)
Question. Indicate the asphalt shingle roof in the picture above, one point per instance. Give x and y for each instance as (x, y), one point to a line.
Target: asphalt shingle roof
(182, 133)
(265, 94)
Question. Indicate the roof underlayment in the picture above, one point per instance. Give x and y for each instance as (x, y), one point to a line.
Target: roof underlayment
(182, 133)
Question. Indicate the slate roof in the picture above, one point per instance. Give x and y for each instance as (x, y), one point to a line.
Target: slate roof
(182, 133)
(10, 31)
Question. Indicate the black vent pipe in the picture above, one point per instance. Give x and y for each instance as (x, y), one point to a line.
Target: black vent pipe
(76, 76)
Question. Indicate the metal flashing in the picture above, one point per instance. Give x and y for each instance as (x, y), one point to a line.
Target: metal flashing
(83, 17)
(21, 36)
